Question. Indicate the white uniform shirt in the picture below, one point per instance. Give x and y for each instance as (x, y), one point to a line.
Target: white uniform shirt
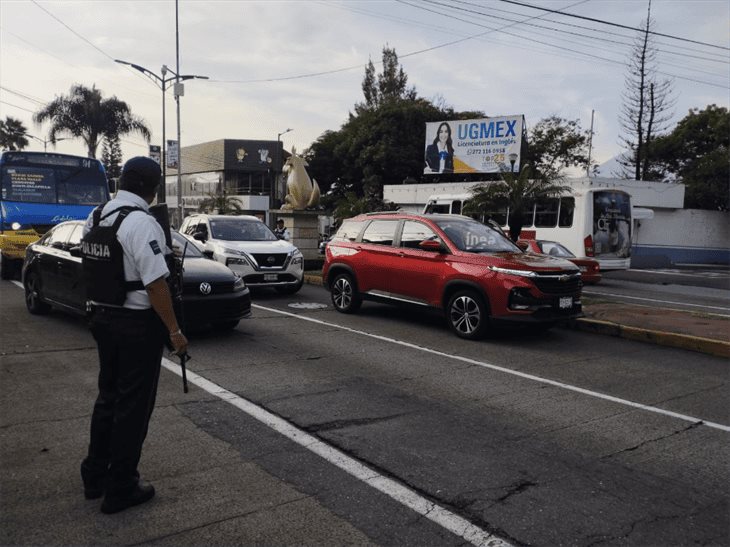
(143, 243)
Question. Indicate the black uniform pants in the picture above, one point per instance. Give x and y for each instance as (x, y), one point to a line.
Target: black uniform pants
(130, 344)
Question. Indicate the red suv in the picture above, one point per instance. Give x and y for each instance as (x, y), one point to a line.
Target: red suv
(467, 269)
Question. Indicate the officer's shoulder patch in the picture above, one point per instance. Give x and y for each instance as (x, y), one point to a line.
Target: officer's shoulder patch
(155, 247)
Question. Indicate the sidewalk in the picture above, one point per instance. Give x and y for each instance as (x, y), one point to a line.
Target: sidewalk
(674, 328)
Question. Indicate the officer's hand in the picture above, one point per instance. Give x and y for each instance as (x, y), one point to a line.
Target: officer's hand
(179, 343)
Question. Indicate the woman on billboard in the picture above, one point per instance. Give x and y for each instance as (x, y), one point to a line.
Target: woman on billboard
(440, 154)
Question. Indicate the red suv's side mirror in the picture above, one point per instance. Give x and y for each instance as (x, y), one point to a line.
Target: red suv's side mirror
(523, 245)
(431, 245)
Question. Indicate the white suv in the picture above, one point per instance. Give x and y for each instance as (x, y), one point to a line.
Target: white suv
(249, 248)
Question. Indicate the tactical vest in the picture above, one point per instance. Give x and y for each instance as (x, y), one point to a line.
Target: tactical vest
(102, 260)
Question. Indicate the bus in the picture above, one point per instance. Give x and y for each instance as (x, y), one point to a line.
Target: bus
(37, 191)
(592, 221)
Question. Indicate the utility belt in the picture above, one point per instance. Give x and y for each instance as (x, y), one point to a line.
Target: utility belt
(117, 311)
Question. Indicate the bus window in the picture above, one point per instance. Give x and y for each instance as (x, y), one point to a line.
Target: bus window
(529, 214)
(567, 207)
(546, 213)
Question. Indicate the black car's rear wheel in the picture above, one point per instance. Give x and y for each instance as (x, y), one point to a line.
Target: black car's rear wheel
(345, 298)
(33, 296)
(467, 315)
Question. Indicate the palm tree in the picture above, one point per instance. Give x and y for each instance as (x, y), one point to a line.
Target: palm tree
(12, 134)
(516, 192)
(86, 114)
(221, 203)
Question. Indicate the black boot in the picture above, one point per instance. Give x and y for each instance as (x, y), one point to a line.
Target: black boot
(113, 503)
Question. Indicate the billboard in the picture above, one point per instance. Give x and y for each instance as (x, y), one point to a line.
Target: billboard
(172, 155)
(486, 145)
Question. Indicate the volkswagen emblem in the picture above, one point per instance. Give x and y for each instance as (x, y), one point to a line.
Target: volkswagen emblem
(564, 278)
(271, 259)
(205, 288)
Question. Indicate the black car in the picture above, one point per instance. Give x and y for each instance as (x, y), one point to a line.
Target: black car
(212, 293)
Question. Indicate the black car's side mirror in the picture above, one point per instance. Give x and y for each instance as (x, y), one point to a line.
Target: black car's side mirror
(200, 236)
(75, 251)
(208, 254)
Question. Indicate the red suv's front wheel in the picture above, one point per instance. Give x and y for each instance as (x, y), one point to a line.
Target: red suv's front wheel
(344, 294)
(467, 315)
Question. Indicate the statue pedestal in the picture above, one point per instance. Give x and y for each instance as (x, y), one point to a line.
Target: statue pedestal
(304, 229)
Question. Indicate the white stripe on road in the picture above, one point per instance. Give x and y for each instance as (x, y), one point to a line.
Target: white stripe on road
(540, 379)
(619, 296)
(403, 495)
(19, 284)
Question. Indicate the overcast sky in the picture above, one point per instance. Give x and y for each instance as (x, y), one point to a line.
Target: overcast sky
(476, 55)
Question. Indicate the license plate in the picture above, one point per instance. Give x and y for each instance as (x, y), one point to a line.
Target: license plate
(565, 302)
(270, 277)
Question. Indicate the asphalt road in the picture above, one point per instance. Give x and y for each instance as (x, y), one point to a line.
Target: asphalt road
(558, 438)
(703, 290)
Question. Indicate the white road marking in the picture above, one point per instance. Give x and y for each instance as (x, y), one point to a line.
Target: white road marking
(654, 300)
(403, 495)
(18, 283)
(532, 377)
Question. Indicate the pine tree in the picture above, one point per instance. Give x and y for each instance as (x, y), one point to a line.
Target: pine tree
(645, 112)
(111, 157)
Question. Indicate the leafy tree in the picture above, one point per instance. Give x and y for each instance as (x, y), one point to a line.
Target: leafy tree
(222, 203)
(647, 102)
(556, 144)
(12, 134)
(85, 114)
(111, 157)
(697, 153)
(514, 191)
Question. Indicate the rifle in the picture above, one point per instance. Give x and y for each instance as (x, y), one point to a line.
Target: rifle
(175, 281)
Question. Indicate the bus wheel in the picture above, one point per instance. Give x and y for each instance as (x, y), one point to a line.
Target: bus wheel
(33, 299)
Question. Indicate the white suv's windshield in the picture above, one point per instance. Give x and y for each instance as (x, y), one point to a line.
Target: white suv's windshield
(474, 237)
(240, 229)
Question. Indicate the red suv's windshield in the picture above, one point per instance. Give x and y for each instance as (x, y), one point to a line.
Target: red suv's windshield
(474, 237)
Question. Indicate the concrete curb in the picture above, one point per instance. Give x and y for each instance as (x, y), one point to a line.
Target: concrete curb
(717, 348)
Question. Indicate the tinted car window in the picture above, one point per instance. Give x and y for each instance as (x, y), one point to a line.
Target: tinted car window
(414, 233)
(60, 234)
(380, 232)
(190, 227)
(76, 235)
(179, 243)
(349, 230)
(474, 237)
(240, 229)
(553, 248)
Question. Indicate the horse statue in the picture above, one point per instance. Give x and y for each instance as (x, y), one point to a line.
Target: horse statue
(301, 191)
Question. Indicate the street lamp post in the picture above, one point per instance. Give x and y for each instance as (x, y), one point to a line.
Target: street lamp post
(512, 159)
(164, 84)
(44, 141)
(279, 160)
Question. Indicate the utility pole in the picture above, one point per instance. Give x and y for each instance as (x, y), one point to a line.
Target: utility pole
(590, 146)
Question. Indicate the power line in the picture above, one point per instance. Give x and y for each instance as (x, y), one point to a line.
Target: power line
(515, 2)
(16, 106)
(22, 95)
(613, 61)
(562, 31)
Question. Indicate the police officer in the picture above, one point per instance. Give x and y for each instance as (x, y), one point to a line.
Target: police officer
(280, 231)
(130, 335)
